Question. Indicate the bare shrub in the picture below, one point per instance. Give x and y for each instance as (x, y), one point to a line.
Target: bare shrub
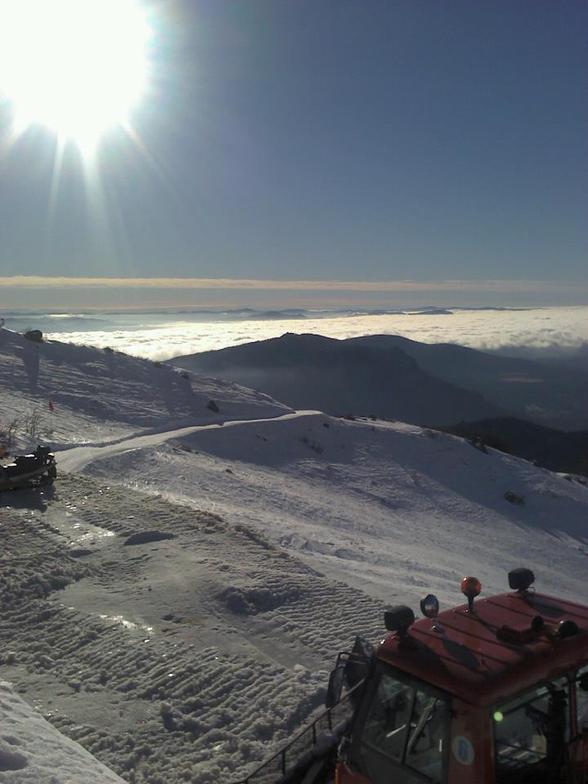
(8, 432)
(34, 425)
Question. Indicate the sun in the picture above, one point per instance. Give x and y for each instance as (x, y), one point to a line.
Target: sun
(76, 67)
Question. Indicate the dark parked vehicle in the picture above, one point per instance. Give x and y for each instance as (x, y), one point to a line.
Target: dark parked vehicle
(31, 470)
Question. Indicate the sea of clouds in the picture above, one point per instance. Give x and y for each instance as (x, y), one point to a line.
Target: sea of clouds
(165, 335)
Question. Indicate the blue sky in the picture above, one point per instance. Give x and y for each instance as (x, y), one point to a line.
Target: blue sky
(327, 139)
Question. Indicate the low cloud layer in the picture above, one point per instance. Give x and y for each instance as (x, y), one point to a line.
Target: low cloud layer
(541, 329)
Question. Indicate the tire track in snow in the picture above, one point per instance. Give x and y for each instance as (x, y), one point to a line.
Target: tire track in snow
(206, 694)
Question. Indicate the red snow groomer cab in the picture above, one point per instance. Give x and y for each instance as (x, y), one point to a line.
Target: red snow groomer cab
(491, 692)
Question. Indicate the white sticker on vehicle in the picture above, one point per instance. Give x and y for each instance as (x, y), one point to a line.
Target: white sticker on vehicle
(463, 750)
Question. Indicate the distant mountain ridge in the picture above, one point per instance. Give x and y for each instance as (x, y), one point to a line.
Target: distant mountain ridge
(551, 395)
(553, 449)
(394, 377)
(343, 376)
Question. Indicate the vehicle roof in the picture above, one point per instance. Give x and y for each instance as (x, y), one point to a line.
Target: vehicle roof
(466, 659)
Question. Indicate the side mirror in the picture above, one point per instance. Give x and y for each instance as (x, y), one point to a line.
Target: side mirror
(335, 687)
(583, 682)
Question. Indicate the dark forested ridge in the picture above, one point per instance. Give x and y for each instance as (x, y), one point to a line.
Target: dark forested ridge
(548, 393)
(553, 449)
(341, 377)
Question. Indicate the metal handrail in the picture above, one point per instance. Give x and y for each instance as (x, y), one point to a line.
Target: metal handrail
(279, 763)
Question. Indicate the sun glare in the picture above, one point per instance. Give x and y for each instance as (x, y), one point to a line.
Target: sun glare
(76, 67)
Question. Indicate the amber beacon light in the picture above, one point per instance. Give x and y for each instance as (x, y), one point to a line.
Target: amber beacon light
(471, 587)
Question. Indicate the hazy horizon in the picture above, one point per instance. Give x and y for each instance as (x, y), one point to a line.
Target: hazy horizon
(70, 294)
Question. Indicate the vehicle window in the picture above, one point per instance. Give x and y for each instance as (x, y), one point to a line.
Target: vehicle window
(530, 733)
(582, 699)
(387, 723)
(424, 750)
(405, 729)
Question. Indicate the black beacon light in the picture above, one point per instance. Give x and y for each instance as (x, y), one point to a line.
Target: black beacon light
(398, 619)
(521, 579)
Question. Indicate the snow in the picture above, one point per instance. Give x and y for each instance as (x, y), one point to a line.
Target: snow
(31, 750)
(389, 508)
(146, 655)
(99, 395)
(76, 459)
(175, 601)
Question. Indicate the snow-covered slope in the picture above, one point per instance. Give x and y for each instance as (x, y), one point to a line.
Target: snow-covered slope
(98, 395)
(181, 657)
(386, 507)
(34, 752)
(175, 608)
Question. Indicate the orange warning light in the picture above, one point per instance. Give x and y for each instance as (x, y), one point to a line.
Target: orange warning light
(471, 586)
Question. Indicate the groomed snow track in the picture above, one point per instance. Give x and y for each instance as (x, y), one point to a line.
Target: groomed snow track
(187, 658)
